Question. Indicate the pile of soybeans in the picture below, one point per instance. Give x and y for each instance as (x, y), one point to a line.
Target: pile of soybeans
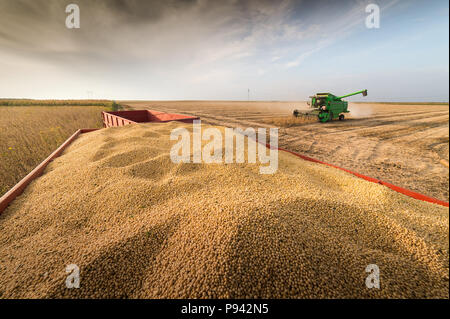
(139, 226)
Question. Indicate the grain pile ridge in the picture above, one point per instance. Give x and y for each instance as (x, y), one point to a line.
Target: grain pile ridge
(139, 226)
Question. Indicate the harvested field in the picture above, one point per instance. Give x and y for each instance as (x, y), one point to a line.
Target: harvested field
(139, 226)
(289, 121)
(406, 145)
(28, 134)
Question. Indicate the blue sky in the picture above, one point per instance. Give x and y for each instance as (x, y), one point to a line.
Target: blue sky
(283, 50)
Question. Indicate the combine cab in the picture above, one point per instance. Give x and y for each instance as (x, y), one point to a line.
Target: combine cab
(327, 106)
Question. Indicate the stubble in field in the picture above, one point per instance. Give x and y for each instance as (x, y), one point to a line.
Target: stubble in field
(289, 121)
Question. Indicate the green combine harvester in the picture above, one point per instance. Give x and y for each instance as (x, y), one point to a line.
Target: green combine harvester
(327, 106)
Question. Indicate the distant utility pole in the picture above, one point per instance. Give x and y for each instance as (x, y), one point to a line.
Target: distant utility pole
(90, 95)
(248, 95)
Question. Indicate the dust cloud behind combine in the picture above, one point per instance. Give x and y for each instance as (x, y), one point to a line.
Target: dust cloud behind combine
(359, 110)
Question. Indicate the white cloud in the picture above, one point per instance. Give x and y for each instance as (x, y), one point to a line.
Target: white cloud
(261, 72)
(192, 46)
(329, 34)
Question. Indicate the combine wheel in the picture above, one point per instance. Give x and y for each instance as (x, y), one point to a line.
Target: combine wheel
(341, 117)
(323, 117)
